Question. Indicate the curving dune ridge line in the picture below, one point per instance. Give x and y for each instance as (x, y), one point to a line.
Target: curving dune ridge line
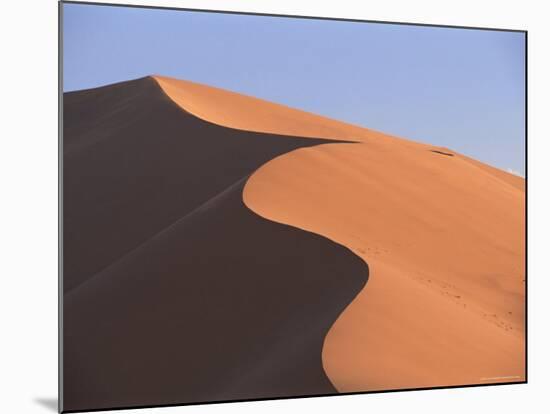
(235, 110)
(175, 291)
(443, 235)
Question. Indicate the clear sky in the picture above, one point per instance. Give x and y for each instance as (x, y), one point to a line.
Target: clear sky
(463, 89)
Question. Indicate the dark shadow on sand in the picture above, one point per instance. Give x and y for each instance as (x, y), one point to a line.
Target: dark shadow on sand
(176, 291)
(443, 153)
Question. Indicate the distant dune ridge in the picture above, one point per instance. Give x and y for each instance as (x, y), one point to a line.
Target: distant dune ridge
(216, 248)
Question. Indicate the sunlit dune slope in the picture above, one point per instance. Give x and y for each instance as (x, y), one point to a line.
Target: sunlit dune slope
(239, 111)
(444, 240)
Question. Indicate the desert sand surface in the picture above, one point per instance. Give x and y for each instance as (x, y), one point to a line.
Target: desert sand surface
(221, 305)
(134, 163)
(218, 247)
(176, 292)
(444, 240)
(445, 231)
(235, 110)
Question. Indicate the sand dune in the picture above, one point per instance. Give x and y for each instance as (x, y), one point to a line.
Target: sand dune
(196, 298)
(134, 163)
(444, 232)
(444, 240)
(216, 247)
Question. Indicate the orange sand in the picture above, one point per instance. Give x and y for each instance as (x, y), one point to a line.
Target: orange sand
(444, 304)
(239, 111)
(443, 237)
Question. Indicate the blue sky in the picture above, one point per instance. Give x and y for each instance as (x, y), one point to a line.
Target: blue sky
(463, 89)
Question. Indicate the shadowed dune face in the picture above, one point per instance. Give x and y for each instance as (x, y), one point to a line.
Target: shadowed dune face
(444, 240)
(134, 163)
(221, 305)
(175, 291)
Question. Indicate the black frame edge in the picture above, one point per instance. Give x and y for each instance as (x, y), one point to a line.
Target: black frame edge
(60, 207)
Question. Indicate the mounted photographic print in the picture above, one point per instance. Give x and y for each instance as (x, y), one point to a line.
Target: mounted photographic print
(264, 206)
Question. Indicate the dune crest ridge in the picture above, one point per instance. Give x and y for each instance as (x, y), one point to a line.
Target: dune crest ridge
(238, 111)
